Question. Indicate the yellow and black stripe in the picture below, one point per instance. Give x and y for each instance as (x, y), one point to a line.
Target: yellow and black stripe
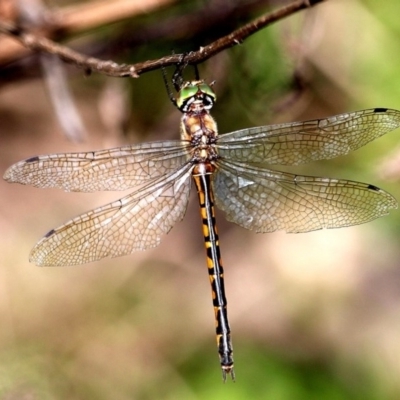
(216, 273)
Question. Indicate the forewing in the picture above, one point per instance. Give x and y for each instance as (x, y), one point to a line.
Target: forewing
(301, 142)
(135, 222)
(113, 169)
(265, 201)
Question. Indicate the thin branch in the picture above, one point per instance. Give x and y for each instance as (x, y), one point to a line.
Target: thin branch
(111, 68)
(59, 23)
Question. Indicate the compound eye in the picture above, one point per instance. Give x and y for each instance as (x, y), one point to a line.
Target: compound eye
(195, 90)
(185, 94)
(206, 89)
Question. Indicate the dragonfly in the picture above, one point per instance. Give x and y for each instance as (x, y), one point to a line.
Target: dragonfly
(231, 171)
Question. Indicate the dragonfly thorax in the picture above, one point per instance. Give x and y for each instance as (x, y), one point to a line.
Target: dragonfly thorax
(199, 128)
(197, 125)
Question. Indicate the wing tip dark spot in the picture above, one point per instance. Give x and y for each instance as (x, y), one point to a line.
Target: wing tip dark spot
(380, 110)
(32, 159)
(49, 233)
(373, 187)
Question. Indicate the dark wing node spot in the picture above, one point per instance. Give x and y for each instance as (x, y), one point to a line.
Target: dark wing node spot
(49, 233)
(32, 159)
(379, 110)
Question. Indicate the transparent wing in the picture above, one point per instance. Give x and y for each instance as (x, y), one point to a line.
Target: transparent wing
(135, 222)
(302, 142)
(264, 200)
(113, 169)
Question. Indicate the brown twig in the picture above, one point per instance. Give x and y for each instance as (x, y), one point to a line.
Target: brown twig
(59, 23)
(111, 68)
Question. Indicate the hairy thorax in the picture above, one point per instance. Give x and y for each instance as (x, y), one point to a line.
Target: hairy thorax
(200, 129)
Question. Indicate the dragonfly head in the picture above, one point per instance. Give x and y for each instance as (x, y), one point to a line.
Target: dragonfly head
(195, 95)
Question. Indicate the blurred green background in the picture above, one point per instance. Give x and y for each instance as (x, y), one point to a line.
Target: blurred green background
(313, 316)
